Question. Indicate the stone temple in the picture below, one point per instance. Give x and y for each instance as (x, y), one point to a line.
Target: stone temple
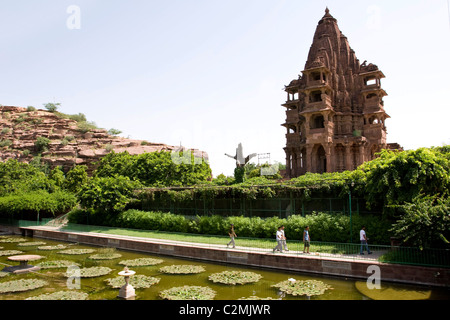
(335, 117)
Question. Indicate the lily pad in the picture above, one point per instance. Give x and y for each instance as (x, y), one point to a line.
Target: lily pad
(61, 295)
(31, 244)
(56, 264)
(76, 251)
(303, 288)
(12, 240)
(21, 285)
(182, 269)
(137, 281)
(10, 252)
(48, 248)
(188, 293)
(105, 256)
(392, 292)
(141, 262)
(91, 272)
(256, 298)
(235, 277)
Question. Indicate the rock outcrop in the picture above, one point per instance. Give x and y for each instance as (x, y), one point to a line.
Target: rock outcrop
(66, 143)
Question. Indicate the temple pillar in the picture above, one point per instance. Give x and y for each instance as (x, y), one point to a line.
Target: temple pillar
(348, 157)
(309, 159)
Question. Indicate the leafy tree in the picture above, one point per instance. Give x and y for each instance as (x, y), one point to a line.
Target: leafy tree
(425, 222)
(399, 177)
(76, 178)
(114, 132)
(52, 107)
(108, 194)
(57, 177)
(153, 169)
(17, 177)
(41, 144)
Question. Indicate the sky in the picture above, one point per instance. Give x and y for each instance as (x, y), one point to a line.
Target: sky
(209, 74)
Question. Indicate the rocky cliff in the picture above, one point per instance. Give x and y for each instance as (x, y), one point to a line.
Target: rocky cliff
(26, 133)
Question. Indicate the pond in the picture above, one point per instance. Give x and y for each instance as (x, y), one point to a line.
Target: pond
(97, 288)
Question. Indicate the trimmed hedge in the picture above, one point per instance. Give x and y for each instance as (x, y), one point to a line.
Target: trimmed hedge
(323, 226)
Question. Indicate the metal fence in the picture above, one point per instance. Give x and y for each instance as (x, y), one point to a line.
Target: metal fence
(344, 251)
(281, 207)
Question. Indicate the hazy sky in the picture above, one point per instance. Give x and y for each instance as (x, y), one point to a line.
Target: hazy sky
(210, 74)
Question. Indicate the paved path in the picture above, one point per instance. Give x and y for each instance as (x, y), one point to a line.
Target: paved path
(329, 256)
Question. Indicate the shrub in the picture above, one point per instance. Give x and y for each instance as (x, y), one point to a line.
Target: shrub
(110, 194)
(41, 144)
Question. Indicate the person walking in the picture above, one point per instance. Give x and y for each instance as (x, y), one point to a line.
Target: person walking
(283, 241)
(306, 240)
(363, 238)
(279, 238)
(232, 235)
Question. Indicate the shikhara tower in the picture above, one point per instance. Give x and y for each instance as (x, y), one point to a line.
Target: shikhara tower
(335, 117)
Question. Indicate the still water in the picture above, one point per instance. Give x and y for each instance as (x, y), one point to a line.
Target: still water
(97, 288)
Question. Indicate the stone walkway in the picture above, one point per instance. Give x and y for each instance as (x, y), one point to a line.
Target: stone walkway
(331, 256)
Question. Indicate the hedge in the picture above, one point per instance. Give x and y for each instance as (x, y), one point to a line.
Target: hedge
(323, 226)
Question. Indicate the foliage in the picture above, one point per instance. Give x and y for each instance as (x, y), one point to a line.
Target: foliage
(153, 169)
(31, 244)
(21, 177)
(49, 248)
(323, 226)
(91, 272)
(52, 107)
(136, 281)
(425, 223)
(105, 256)
(141, 262)
(5, 239)
(108, 194)
(114, 132)
(182, 269)
(56, 264)
(21, 285)
(188, 293)
(62, 295)
(25, 205)
(41, 144)
(10, 252)
(137, 219)
(303, 288)
(400, 177)
(76, 178)
(235, 277)
(76, 251)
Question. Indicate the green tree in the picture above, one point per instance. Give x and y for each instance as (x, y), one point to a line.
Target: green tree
(399, 177)
(425, 222)
(108, 194)
(52, 107)
(153, 169)
(76, 178)
(41, 144)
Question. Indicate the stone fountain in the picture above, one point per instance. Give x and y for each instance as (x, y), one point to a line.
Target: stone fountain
(127, 292)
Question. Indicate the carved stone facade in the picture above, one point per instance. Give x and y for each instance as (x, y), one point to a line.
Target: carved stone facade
(335, 117)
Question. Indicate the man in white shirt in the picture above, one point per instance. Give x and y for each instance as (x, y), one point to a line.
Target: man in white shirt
(279, 238)
(283, 241)
(363, 238)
